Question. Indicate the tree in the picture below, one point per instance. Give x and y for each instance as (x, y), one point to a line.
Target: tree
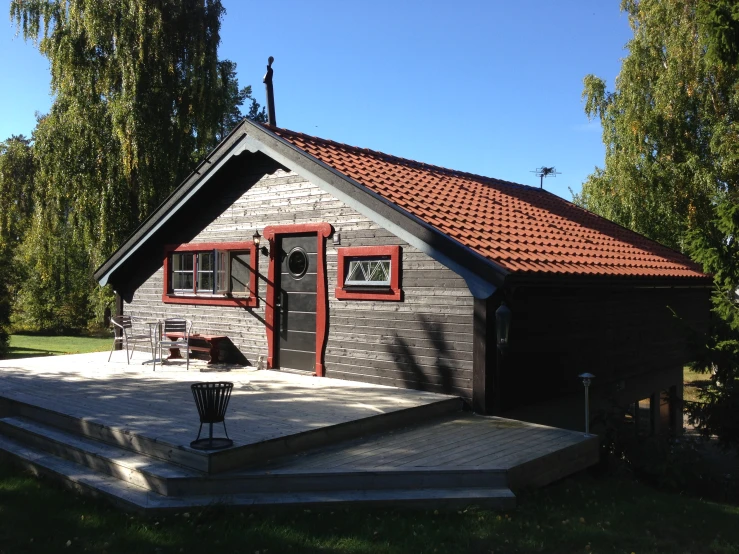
(17, 171)
(233, 98)
(139, 98)
(16, 175)
(671, 172)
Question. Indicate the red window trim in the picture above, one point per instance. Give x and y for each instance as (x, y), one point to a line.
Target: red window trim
(252, 301)
(394, 294)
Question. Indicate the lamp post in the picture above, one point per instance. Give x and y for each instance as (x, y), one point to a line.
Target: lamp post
(586, 380)
(257, 238)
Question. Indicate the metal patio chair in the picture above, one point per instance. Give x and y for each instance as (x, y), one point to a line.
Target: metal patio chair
(177, 326)
(125, 334)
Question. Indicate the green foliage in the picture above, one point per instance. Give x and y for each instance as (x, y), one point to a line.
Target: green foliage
(139, 97)
(671, 132)
(661, 169)
(4, 299)
(17, 172)
(232, 98)
(717, 248)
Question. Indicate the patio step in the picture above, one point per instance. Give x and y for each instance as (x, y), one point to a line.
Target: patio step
(238, 457)
(133, 497)
(126, 465)
(329, 482)
(22, 406)
(170, 480)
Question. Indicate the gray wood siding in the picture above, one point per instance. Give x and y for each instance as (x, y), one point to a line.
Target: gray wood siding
(423, 342)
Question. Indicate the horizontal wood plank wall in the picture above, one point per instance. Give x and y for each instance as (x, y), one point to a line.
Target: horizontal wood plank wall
(423, 342)
(619, 334)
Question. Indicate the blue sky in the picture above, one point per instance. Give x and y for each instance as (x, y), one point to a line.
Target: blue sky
(490, 87)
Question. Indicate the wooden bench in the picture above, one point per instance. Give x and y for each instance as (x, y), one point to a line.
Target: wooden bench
(199, 343)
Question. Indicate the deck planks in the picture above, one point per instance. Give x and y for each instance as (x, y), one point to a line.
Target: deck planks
(264, 405)
(457, 441)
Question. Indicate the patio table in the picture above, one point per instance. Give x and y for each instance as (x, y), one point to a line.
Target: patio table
(155, 333)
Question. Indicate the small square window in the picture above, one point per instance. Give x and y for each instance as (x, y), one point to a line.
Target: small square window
(369, 273)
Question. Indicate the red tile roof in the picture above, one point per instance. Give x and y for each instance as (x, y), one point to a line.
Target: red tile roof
(524, 229)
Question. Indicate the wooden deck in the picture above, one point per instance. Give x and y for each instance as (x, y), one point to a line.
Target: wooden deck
(268, 409)
(297, 439)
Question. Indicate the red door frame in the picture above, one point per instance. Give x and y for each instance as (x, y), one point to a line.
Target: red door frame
(323, 231)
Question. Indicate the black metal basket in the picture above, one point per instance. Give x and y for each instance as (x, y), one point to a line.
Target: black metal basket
(211, 400)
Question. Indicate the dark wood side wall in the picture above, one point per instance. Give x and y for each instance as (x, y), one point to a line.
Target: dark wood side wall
(423, 342)
(618, 334)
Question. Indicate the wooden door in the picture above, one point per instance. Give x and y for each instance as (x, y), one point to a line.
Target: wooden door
(295, 314)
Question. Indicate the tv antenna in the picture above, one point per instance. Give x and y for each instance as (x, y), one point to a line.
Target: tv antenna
(545, 172)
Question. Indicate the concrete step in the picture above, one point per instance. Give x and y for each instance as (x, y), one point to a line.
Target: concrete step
(132, 497)
(131, 467)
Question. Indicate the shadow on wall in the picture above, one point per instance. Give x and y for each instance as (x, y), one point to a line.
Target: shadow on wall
(415, 376)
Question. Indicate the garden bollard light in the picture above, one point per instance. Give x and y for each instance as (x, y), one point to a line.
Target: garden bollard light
(586, 379)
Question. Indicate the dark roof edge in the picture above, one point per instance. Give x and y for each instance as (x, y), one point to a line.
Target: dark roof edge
(222, 149)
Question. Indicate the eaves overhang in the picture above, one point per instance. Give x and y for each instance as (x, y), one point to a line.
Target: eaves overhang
(227, 148)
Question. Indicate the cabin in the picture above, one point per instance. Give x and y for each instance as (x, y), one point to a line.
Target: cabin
(338, 261)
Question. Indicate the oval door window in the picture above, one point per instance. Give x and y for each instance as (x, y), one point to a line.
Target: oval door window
(297, 262)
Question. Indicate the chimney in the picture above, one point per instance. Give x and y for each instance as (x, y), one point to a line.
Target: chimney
(270, 94)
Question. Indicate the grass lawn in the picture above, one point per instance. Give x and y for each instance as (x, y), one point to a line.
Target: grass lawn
(581, 514)
(29, 346)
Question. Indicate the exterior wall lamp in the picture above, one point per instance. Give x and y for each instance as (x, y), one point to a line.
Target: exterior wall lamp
(502, 326)
(257, 238)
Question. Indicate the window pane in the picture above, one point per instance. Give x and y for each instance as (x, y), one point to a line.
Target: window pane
(380, 271)
(240, 272)
(205, 272)
(182, 266)
(182, 262)
(221, 271)
(182, 280)
(205, 261)
(205, 281)
(368, 271)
